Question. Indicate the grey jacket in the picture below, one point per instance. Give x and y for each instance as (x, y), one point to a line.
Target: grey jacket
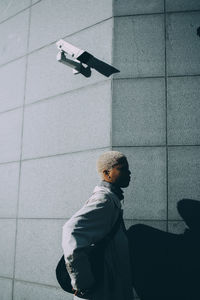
(88, 225)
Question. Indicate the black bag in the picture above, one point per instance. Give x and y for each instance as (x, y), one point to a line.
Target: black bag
(96, 258)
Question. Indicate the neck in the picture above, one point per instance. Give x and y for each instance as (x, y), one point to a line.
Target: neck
(114, 188)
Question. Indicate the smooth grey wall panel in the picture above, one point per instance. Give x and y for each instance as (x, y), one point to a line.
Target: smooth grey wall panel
(184, 110)
(145, 198)
(6, 289)
(57, 186)
(132, 7)
(52, 20)
(9, 180)
(12, 78)
(10, 135)
(183, 43)
(180, 5)
(38, 250)
(139, 46)
(10, 8)
(7, 249)
(75, 121)
(138, 111)
(25, 290)
(184, 172)
(14, 34)
(47, 77)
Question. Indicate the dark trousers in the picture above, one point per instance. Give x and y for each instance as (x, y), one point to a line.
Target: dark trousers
(165, 266)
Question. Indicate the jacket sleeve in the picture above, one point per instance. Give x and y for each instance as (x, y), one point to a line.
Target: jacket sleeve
(89, 225)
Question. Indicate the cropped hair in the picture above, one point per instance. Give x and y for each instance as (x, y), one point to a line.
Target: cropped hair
(108, 160)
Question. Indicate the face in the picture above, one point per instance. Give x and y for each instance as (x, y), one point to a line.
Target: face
(119, 174)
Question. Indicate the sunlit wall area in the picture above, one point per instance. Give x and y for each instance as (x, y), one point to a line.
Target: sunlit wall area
(53, 126)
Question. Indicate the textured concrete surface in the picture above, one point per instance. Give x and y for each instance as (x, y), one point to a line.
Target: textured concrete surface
(33, 291)
(145, 198)
(47, 185)
(9, 9)
(14, 34)
(9, 183)
(47, 77)
(7, 249)
(161, 225)
(52, 20)
(55, 122)
(183, 178)
(133, 7)
(6, 289)
(183, 44)
(10, 135)
(12, 74)
(139, 46)
(177, 227)
(38, 250)
(35, 1)
(138, 115)
(184, 111)
(180, 5)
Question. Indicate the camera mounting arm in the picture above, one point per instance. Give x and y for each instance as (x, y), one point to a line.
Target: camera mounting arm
(75, 64)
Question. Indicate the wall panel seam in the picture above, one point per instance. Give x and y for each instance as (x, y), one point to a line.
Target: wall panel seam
(96, 149)
(166, 113)
(53, 42)
(57, 95)
(20, 162)
(158, 13)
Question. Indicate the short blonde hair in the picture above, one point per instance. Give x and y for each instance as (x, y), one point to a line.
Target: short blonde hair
(108, 160)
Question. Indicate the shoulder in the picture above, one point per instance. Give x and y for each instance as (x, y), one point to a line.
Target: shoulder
(98, 206)
(100, 197)
(104, 194)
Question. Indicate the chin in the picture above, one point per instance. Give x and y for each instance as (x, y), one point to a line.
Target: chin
(125, 184)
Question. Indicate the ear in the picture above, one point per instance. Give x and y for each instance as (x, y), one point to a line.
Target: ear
(105, 172)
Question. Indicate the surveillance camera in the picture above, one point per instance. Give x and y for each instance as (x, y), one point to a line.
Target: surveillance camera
(83, 57)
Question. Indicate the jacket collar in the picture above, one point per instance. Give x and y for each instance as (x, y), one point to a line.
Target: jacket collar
(105, 186)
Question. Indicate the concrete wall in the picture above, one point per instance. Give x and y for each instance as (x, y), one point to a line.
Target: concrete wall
(156, 108)
(54, 125)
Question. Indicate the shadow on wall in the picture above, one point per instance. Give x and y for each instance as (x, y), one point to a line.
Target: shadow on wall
(166, 265)
(198, 31)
